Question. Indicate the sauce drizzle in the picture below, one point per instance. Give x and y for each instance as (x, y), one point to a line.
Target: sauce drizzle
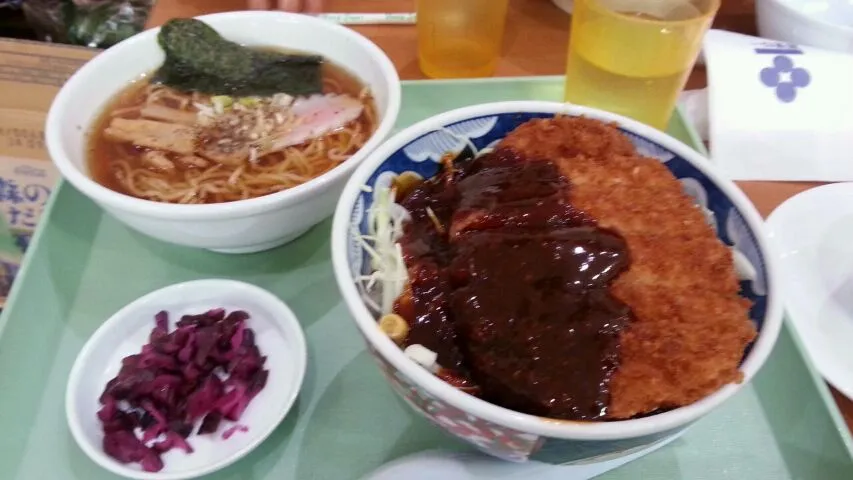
(511, 288)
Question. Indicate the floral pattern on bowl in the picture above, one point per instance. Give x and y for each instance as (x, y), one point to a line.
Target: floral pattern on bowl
(422, 156)
(491, 438)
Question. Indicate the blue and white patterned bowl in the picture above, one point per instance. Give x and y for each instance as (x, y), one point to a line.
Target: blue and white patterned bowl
(496, 430)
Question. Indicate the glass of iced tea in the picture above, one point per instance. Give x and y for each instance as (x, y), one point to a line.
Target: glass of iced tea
(460, 38)
(632, 57)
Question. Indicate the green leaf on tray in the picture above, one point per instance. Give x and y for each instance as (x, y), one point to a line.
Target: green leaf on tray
(199, 59)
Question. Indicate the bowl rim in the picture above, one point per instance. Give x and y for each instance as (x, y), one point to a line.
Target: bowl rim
(612, 430)
(286, 318)
(786, 5)
(60, 110)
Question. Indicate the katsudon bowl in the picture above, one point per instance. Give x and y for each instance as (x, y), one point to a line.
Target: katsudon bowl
(498, 431)
(258, 222)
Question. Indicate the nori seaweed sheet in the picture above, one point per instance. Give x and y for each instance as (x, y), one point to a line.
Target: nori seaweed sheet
(198, 59)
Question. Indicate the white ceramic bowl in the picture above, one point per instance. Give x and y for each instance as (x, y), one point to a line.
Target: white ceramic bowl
(235, 227)
(818, 23)
(279, 337)
(496, 430)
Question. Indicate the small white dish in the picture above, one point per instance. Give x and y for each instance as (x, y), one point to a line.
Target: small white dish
(818, 23)
(278, 336)
(812, 232)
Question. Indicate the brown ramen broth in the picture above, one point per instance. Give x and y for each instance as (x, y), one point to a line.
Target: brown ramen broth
(129, 157)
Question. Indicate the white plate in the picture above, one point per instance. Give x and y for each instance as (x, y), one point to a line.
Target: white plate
(813, 234)
(436, 464)
(278, 336)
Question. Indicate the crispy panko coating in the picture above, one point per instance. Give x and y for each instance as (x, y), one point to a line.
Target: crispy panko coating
(691, 326)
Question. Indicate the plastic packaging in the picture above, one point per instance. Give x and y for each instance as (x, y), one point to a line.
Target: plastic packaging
(91, 23)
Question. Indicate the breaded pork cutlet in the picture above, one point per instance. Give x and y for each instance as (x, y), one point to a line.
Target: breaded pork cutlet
(691, 326)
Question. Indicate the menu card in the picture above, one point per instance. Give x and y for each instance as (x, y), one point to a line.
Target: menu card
(31, 74)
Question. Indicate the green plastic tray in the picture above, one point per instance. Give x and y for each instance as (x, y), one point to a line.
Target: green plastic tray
(83, 266)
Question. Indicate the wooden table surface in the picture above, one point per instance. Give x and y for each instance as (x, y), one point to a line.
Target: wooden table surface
(535, 43)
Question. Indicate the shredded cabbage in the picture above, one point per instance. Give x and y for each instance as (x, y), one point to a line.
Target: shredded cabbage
(385, 220)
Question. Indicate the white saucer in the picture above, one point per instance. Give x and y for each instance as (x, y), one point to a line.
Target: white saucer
(278, 336)
(813, 234)
(444, 465)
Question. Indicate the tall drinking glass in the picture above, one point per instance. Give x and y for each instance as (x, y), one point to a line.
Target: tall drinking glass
(460, 38)
(632, 57)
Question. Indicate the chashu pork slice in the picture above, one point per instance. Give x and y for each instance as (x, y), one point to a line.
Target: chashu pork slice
(170, 137)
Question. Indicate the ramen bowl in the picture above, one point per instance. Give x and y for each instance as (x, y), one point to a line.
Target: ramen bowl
(496, 430)
(232, 227)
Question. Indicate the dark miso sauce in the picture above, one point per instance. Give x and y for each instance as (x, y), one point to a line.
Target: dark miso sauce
(509, 284)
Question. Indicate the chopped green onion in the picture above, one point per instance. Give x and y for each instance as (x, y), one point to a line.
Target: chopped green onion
(221, 103)
(249, 101)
